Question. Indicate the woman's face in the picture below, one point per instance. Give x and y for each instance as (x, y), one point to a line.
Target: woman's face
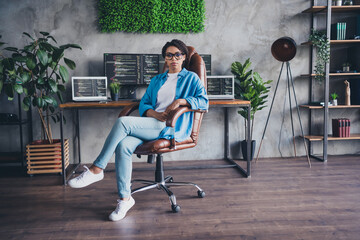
(174, 59)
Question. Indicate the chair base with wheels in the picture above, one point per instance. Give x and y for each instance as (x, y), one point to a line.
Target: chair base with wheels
(163, 183)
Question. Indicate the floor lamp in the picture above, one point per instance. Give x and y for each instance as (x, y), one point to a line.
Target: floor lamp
(283, 50)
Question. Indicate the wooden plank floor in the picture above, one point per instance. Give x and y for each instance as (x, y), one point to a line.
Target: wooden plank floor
(284, 199)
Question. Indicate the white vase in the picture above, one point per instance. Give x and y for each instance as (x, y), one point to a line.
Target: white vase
(334, 102)
(338, 2)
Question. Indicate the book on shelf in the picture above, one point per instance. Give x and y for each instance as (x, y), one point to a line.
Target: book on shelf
(341, 127)
(338, 31)
(336, 128)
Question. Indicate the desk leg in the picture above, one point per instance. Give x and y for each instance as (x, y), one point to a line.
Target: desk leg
(248, 163)
(77, 130)
(62, 147)
(226, 132)
(246, 172)
(62, 144)
(78, 134)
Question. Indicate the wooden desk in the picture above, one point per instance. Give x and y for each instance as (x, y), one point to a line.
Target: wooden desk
(226, 104)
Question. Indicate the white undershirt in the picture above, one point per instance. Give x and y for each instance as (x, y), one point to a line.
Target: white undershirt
(166, 94)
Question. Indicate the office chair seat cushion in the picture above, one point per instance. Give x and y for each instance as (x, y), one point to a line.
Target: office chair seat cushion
(162, 146)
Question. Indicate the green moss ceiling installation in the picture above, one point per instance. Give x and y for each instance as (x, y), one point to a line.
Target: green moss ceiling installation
(153, 16)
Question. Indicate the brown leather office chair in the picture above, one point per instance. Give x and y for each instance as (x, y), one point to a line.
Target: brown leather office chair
(196, 64)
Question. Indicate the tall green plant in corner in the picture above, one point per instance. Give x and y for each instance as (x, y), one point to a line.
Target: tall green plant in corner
(321, 42)
(38, 72)
(250, 86)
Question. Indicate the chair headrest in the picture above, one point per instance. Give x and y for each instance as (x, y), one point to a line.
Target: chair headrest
(191, 51)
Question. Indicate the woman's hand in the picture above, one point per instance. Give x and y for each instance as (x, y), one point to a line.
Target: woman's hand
(175, 104)
(161, 116)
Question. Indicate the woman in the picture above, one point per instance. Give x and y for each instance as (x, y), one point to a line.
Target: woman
(166, 92)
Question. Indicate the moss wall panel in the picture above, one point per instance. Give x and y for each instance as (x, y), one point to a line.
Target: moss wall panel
(152, 16)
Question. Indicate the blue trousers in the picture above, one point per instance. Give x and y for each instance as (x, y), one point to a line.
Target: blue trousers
(126, 134)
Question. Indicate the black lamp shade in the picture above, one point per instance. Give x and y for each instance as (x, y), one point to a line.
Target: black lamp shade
(284, 49)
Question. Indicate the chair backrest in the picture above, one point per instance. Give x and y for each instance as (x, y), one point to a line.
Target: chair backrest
(195, 63)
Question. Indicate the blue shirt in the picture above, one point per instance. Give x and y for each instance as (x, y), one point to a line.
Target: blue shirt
(188, 87)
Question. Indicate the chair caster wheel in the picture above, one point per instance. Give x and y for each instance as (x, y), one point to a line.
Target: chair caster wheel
(175, 208)
(201, 194)
(171, 180)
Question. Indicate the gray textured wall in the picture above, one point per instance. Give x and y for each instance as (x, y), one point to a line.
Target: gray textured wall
(235, 30)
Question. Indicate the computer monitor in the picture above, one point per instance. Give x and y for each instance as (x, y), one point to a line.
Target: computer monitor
(138, 69)
(131, 69)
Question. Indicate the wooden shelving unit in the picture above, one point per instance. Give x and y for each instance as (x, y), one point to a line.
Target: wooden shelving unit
(322, 9)
(331, 138)
(333, 74)
(18, 157)
(339, 11)
(335, 107)
(332, 42)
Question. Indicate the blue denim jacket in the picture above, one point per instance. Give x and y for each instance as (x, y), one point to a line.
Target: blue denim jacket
(188, 87)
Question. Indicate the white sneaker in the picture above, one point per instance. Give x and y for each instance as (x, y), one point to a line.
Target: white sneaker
(121, 209)
(85, 179)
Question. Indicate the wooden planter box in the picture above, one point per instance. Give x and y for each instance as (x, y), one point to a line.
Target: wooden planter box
(43, 157)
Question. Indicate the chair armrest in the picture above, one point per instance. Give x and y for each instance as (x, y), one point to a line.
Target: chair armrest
(175, 114)
(129, 109)
(170, 122)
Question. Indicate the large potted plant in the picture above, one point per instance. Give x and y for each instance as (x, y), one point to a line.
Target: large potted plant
(249, 86)
(38, 72)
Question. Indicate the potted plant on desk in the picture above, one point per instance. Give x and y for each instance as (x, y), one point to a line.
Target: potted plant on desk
(114, 90)
(38, 72)
(249, 86)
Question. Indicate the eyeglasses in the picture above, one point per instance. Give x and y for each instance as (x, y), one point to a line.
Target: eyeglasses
(177, 55)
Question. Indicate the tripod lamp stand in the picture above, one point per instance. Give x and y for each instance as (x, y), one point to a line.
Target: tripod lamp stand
(283, 50)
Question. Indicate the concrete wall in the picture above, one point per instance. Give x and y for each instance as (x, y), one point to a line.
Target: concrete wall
(235, 30)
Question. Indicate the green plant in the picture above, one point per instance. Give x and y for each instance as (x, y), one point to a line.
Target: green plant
(37, 71)
(347, 2)
(321, 42)
(153, 16)
(250, 86)
(114, 87)
(334, 96)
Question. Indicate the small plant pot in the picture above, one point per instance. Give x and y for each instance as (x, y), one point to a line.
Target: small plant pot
(347, 2)
(338, 2)
(346, 69)
(334, 102)
(115, 96)
(244, 149)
